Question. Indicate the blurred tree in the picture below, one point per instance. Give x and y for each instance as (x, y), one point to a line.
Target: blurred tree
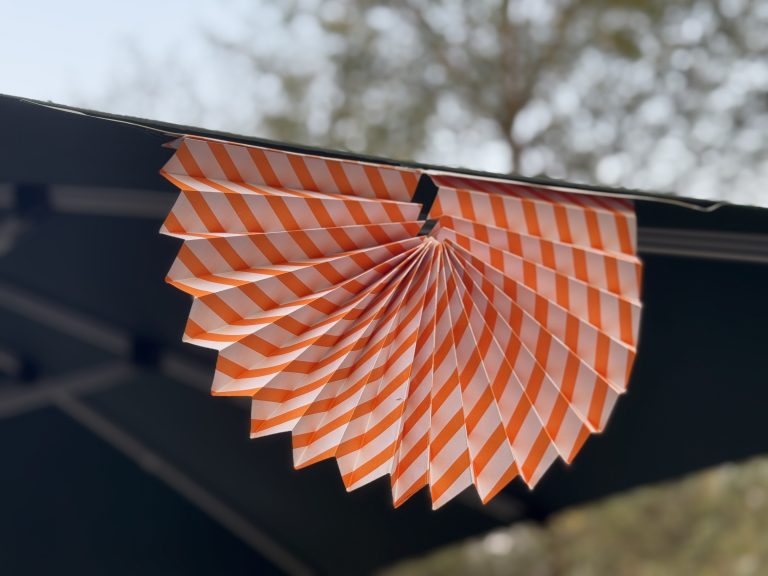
(710, 523)
(646, 93)
(662, 95)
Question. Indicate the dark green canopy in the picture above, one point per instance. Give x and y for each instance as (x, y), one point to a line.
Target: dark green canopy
(115, 459)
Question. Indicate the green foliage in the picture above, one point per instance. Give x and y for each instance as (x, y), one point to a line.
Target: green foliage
(617, 91)
(709, 524)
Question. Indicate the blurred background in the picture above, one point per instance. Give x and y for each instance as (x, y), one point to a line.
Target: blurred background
(662, 95)
(665, 95)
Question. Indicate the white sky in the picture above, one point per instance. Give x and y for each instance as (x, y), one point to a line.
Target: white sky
(75, 51)
(62, 50)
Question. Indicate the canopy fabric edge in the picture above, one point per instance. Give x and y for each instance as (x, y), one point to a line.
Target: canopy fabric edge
(175, 131)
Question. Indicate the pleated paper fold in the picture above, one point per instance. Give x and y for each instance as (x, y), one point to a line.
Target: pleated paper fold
(481, 351)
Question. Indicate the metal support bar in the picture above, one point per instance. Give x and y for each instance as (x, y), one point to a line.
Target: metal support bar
(103, 201)
(172, 365)
(61, 392)
(706, 244)
(60, 318)
(153, 464)
(100, 335)
(155, 205)
(17, 400)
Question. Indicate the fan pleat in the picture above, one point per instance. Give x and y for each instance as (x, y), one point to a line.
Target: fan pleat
(250, 305)
(374, 326)
(608, 356)
(490, 452)
(482, 351)
(345, 397)
(368, 444)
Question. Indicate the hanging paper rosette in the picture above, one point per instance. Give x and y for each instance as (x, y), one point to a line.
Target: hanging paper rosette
(475, 353)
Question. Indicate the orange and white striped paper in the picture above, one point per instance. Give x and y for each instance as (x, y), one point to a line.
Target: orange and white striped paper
(481, 351)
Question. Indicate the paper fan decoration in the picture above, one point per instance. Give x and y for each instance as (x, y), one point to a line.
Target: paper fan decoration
(479, 351)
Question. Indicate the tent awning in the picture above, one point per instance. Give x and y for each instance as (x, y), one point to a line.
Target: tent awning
(82, 303)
